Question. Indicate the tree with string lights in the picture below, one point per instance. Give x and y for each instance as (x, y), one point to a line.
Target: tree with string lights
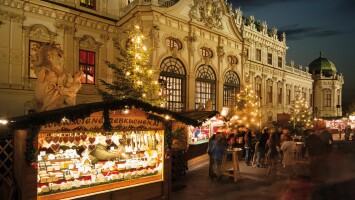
(134, 76)
(247, 109)
(300, 113)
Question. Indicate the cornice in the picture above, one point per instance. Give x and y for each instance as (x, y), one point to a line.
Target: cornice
(52, 13)
(10, 16)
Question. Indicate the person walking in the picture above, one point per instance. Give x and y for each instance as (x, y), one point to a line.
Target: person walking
(272, 153)
(260, 161)
(347, 132)
(209, 152)
(339, 130)
(218, 149)
(248, 147)
(288, 148)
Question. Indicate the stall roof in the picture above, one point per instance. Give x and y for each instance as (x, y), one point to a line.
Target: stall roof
(200, 116)
(332, 118)
(195, 118)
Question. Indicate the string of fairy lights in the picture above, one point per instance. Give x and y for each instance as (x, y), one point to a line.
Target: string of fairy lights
(141, 72)
(247, 109)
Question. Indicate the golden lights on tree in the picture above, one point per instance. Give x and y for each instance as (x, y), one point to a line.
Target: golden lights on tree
(300, 113)
(135, 77)
(247, 109)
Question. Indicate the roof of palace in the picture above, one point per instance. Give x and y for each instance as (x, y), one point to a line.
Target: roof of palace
(322, 64)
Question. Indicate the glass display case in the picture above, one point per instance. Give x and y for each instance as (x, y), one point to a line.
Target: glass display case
(95, 161)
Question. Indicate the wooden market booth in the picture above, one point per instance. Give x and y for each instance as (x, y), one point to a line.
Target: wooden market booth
(74, 152)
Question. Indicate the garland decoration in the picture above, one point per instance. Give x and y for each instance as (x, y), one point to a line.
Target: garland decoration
(31, 145)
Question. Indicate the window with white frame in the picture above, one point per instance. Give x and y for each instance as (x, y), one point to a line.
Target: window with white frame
(231, 88)
(173, 73)
(205, 86)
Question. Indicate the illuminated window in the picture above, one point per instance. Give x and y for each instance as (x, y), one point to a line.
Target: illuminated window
(173, 73)
(206, 52)
(231, 88)
(205, 86)
(33, 50)
(258, 54)
(173, 43)
(269, 58)
(87, 65)
(88, 4)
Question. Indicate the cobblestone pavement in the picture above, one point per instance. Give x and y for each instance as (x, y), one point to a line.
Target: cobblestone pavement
(333, 179)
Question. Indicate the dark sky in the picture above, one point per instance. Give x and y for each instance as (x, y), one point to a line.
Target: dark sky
(312, 26)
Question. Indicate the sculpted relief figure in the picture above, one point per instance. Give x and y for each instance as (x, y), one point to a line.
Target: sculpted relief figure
(55, 88)
(208, 12)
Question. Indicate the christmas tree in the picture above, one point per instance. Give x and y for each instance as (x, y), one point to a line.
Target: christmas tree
(134, 76)
(300, 114)
(246, 112)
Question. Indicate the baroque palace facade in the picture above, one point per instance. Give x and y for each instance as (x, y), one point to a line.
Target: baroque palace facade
(205, 50)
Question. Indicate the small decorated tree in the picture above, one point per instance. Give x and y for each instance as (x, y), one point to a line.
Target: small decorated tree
(301, 114)
(134, 76)
(246, 112)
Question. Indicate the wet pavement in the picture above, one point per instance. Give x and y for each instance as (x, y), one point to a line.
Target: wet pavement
(334, 178)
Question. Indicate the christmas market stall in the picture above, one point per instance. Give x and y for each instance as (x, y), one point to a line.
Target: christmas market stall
(113, 150)
(198, 136)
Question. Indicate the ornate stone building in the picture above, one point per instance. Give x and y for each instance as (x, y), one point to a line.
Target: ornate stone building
(327, 88)
(204, 49)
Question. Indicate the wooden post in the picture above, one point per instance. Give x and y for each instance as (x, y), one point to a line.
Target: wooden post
(25, 176)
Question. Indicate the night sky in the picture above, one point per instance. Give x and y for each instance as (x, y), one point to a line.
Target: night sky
(312, 26)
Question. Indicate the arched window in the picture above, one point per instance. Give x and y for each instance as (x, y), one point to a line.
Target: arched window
(173, 73)
(205, 86)
(173, 43)
(231, 88)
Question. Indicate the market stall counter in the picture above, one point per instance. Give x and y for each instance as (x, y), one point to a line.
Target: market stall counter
(74, 159)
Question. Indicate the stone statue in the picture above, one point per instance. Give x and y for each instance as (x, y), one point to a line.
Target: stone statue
(55, 88)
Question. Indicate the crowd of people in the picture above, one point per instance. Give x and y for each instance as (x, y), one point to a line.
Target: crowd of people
(271, 147)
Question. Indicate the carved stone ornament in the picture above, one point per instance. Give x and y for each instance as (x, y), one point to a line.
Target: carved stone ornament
(39, 32)
(88, 42)
(208, 12)
(220, 51)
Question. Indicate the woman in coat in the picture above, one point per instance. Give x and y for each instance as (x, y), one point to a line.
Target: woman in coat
(288, 147)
